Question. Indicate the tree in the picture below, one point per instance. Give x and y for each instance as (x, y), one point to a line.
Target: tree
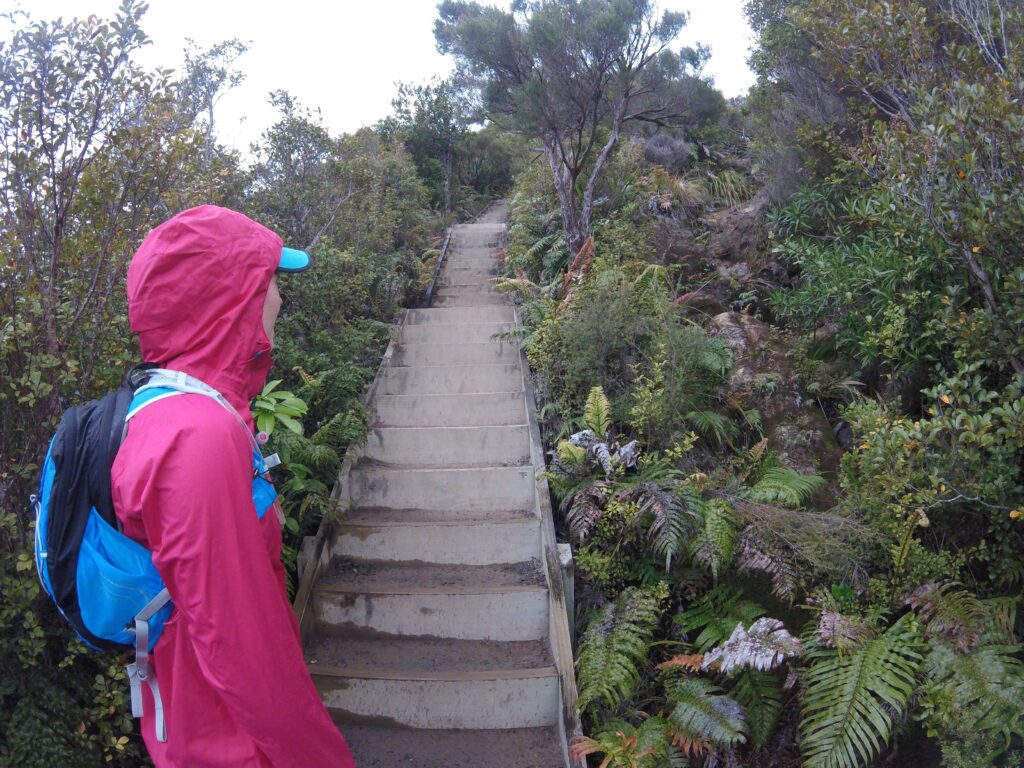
(208, 74)
(432, 121)
(571, 72)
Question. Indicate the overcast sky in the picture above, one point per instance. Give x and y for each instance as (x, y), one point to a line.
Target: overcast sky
(345, 56)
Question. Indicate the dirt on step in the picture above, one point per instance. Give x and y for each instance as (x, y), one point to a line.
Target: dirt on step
(369, 650)
(352, 573)
(390, 746)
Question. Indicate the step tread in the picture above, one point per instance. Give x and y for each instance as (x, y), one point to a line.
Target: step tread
(378, 655)
(351, 575)
(387, 517)
(383, 745)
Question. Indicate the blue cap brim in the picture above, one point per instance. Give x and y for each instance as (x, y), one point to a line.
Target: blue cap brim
(293, 260)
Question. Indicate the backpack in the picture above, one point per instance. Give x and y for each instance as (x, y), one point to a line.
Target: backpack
(104, 583)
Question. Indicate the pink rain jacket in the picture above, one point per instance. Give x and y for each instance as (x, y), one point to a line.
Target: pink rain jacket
(235, 687)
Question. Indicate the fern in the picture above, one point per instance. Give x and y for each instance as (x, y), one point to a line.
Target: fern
(781, 485)
(755, 554)
(1002, 613)
(851, 702)
(715, 545)
(715, 356)
(584, 508)
(711, 424)
(615, 645)
(716, 615)
(763, 647)
(842, 631)
(760, 695)
(952, 615)
(985, 686)
(675, 514)
(702, 715)
(625, 745)
(597, 413)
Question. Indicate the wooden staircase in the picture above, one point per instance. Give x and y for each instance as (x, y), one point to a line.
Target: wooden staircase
(433, 613)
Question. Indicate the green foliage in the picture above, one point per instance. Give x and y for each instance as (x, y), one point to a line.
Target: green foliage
(715, 542)
(616, 645)
(703, 716)
(716, 614)
(273, 405)
(760, 695)
(982, 689)
(781, 485)
(597, 413)
(852, 702)
(624, 745)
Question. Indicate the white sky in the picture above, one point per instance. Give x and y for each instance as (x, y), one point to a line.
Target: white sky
(344, 57)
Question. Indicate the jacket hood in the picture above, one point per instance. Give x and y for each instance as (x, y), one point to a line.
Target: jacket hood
(196, 289)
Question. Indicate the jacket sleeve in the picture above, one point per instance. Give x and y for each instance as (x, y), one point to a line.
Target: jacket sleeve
(212, 553)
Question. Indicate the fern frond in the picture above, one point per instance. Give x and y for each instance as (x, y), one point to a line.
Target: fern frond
(952, 615)
(715, 356)
(760, 695)
(781, 485)
(585, 507)
(716, 614)
(615, 645)
(986, 686)
(703, 715)
(675, 518)
(755, 554)
(715, 545)
(842, 631)
(851, 702)
(762, 647)
(597, 413)
(1002, 612)
(687, 661)
(711, 424)
(625, 745)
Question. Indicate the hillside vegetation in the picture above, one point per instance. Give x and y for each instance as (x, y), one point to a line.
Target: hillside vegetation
(778, 343)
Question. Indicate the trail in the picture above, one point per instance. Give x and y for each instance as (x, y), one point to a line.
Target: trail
(429, 624)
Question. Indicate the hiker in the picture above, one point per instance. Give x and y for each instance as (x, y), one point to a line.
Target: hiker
(203, 298)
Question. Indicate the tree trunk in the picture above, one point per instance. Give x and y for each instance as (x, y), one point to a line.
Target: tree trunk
(979, 273)
(576, 230)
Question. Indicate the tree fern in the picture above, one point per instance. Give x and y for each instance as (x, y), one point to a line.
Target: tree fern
(781, 485)
(715, 544)
(615, 645)
(985, 686)
(760, 695)
(702, 715)
(715, 615)
(851, 701)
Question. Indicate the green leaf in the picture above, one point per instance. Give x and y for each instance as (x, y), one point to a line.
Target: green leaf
(265, 423)
(760, 695)
(702, 713)
(291, 423)
(851, 702)
(616, 643)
